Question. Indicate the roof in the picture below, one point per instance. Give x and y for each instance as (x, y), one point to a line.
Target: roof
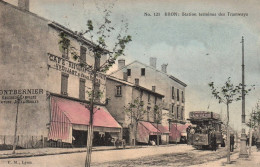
(77, 113)
(73, 34)
(133, 85)
(170, 76)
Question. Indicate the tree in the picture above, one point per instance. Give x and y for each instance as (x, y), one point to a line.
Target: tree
(227, 94)
(99, 47)
(135, 111)
(254, 121)
(158, 118)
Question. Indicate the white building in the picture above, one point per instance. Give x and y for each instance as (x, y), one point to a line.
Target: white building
(150, 77)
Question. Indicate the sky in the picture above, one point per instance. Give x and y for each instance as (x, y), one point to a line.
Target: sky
(198, 49)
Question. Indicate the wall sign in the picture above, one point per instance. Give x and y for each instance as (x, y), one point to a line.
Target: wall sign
(69, 67)
(9, 96)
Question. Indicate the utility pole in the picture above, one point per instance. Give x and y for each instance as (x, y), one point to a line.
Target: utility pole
(16, 122)
(243, 150)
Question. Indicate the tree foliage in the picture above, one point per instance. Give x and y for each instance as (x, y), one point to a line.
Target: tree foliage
(135, 110)
(99, 46)
(228, 92)
(254, 119)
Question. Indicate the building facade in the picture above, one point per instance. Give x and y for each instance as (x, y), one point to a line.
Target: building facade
(35, 66)
(160, 81)
(120, 94)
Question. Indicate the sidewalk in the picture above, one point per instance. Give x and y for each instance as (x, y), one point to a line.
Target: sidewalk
(252, 161)
(53, 151)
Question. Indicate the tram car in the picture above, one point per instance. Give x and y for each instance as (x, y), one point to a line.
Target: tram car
(205, 131)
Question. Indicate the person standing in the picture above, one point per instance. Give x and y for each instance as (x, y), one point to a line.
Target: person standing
(232, 142)
(213, 141)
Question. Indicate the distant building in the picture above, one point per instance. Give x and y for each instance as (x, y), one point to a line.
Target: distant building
(158, 81)
(54, 86)
(120, 93)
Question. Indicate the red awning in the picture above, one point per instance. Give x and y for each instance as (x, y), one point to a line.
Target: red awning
(68, 112)
(150, 127)
(182, 128)
(161, 128)
(77, 113)
(144, 130)
(175, 133)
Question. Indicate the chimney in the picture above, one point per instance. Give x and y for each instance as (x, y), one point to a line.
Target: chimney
(121, 63)
(164, 68)
(153, 62)
(23, 4)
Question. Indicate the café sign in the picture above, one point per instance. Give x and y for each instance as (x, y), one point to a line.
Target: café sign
(69, 67)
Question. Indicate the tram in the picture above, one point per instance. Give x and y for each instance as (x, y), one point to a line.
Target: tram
(205, 131)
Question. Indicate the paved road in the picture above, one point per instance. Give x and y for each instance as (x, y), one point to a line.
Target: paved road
(78, 159)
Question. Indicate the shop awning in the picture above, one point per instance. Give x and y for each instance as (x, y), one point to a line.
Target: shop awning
(144, 130)
(161, 128)
(67, 113)
(176, 131)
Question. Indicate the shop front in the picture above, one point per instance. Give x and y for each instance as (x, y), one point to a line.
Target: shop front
(147, 133)
(70, 120)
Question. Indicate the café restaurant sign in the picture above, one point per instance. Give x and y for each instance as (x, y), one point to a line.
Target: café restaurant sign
(69, 67)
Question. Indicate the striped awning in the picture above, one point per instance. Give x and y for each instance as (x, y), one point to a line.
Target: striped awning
(60, 126)
(68, 114)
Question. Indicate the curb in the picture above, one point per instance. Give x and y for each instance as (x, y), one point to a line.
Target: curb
(7, 156)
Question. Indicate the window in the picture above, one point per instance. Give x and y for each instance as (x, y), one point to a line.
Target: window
(83, 51)
(136, 81)
(148, 113)
(64, 83)
(182, 96)
(178, 96)
(128, 72)
(149, 97)
(82, 88)
(118, 90)
(172, 108)
(142, 71)
(182, 110)
(173, 93)
(65, 48)
(177, 114)
(154, 115)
